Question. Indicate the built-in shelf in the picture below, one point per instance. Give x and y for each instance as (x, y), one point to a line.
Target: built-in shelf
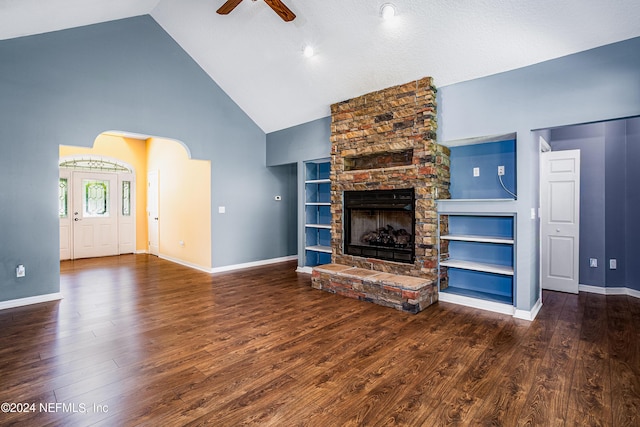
(481, 239)
(480, 254)
(317, 212)
(478, 266)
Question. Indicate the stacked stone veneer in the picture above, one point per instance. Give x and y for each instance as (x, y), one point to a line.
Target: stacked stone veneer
(400, 119)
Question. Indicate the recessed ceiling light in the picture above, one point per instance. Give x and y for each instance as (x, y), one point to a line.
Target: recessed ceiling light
(387, 11)
(308, 51)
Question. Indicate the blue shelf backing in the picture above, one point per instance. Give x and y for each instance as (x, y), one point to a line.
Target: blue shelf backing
(486, 284)
(317, 170)
(314, 258)
(317, 237)
(318, 192)
(498, 254)
(487, 157)
(490, 226)
(317, 214)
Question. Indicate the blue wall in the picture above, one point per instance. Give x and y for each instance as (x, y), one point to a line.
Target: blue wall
(295, 145)
(69, 86)
(487, 157)
(590, 140)
(616, 221)
(308, 141)
(607, 198)
(590, 86)
(633, 204)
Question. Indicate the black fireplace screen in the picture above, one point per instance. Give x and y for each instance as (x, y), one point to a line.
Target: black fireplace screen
(380, 224)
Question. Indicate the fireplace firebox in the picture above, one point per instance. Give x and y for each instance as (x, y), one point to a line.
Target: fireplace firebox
(380, 224)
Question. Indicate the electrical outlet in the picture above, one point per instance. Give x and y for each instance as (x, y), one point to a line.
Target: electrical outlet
(476, 171)
(613, 264)
(500, 170)
(593, 262)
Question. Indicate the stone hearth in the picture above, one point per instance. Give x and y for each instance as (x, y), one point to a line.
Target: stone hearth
(382, 141)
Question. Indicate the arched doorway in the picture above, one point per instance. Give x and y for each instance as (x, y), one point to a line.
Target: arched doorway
(96, 207)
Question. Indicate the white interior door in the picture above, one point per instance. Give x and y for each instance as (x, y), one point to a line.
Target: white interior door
(95, 216)
(152, 212)
(560, 220)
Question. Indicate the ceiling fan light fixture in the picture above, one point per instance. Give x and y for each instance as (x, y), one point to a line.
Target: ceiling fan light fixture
(387, 11)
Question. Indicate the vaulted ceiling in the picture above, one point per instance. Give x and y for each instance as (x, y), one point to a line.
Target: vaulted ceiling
(257, 58)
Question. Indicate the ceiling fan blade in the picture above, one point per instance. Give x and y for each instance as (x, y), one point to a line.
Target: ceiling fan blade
(282, 10)
(228, 7)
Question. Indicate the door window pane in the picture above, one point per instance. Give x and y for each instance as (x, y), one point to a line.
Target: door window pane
(95, 198)
(63, 196)
(126, 198)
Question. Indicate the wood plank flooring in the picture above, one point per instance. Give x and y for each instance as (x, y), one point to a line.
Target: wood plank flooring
(142, 341)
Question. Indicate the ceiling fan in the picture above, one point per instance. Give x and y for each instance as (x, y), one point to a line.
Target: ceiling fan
(277, 6)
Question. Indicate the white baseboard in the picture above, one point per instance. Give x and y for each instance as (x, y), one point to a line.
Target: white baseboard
(141, 252)
(307, 270)
(528, 315)
(30, 300)
(609, 291)
(495, 307)
(185, 263)
(253, 264)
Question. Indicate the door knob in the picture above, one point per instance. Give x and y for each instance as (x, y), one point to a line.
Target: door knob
(76, 219)
(557, 230)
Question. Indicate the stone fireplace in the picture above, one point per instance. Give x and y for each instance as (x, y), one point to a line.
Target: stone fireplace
(386, 172)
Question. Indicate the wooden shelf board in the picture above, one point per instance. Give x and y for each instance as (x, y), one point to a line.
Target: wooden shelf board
(475, 238)
(319, 248)
(478, 266)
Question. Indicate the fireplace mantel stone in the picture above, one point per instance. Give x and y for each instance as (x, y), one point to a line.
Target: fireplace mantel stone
(400, 119)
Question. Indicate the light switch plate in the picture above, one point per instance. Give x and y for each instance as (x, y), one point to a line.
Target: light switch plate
(476, 171)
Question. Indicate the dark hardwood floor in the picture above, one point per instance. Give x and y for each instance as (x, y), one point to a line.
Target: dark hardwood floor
(142, 341)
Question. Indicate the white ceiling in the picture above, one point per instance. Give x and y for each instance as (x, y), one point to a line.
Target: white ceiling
(257, 58)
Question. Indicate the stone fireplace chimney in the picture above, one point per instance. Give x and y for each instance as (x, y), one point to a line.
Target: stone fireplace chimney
(386, 140)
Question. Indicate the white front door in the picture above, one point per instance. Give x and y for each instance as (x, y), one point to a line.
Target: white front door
(560, 219)
(94, 214)
(152, 212)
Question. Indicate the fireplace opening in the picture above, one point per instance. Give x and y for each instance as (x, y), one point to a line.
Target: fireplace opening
(380, 224)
